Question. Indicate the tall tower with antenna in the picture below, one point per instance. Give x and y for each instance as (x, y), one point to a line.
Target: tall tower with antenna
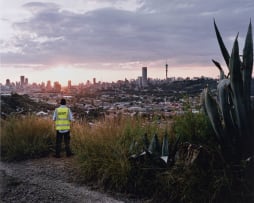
(166, 70)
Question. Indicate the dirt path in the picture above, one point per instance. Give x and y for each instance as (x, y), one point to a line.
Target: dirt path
(46, 180)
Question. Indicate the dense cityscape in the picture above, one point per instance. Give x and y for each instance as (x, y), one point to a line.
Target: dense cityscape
(142, 96)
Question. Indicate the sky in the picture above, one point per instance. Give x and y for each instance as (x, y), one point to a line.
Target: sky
(110, 40)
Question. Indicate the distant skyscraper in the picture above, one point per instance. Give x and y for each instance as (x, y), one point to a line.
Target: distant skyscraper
(43, 84)
(26, 81)
(144, 76)
(48, 86)
(57, 86)
(8, 82)
(69, 84)
(22, 80)
(94, 80)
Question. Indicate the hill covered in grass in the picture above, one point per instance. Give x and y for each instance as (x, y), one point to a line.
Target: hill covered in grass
(16, 103)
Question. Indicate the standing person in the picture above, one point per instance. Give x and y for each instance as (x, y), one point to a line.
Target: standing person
(63, 117)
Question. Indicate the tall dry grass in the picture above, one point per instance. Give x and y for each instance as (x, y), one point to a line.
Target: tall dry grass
(102, 155)
(26, 137)
(103, 150)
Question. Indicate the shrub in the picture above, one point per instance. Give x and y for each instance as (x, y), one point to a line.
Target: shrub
(26, 137)
(194, 128)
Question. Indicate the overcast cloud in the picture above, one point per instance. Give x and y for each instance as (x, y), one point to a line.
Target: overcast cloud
(120, 31)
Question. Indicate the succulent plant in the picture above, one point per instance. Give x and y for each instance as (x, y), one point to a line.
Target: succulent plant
(155, 147)
(154, 153)
(230, 112)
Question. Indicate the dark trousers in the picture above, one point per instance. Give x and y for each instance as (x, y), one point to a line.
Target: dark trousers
(67, 138)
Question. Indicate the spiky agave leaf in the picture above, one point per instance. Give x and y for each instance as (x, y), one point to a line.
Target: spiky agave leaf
(235, 70)
(247, 77)
(248, 66)
(223, 49)
(236, 81)
(154, 146)
(165, 148)
(214, 116)
(222, 74)
(225, 105)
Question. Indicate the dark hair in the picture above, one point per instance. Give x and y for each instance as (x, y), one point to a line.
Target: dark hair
(63, 102)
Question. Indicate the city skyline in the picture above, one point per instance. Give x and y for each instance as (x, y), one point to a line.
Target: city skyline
(142, 75)
(113, 39)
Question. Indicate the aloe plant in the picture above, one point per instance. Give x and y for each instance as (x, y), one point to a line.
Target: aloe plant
(230, 113)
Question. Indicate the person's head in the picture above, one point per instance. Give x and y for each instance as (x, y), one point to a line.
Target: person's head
(63, 102)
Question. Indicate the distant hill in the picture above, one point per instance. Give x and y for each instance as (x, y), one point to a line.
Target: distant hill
(186, 87)
(21, 104)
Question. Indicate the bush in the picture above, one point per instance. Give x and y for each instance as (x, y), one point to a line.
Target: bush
(26, 137)
(194, 128)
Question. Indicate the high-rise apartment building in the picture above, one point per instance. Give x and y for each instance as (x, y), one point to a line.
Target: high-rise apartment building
(22, 80)
(139, 81)
(144, 76)
(57, 86)
(8, 82)
(69, 84)
(48, 86)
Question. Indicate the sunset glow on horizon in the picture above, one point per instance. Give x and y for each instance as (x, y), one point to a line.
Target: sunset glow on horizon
(78, 75)
(112, 40)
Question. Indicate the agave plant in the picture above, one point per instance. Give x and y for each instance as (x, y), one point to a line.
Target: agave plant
(154, 152)
(230, 113)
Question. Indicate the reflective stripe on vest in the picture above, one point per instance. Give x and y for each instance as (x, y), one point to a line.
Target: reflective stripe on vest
(62, 118)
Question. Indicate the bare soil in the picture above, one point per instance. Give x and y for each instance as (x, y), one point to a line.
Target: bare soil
(48, 180)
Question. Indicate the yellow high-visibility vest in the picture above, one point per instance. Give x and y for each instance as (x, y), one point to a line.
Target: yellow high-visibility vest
(62, 119)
